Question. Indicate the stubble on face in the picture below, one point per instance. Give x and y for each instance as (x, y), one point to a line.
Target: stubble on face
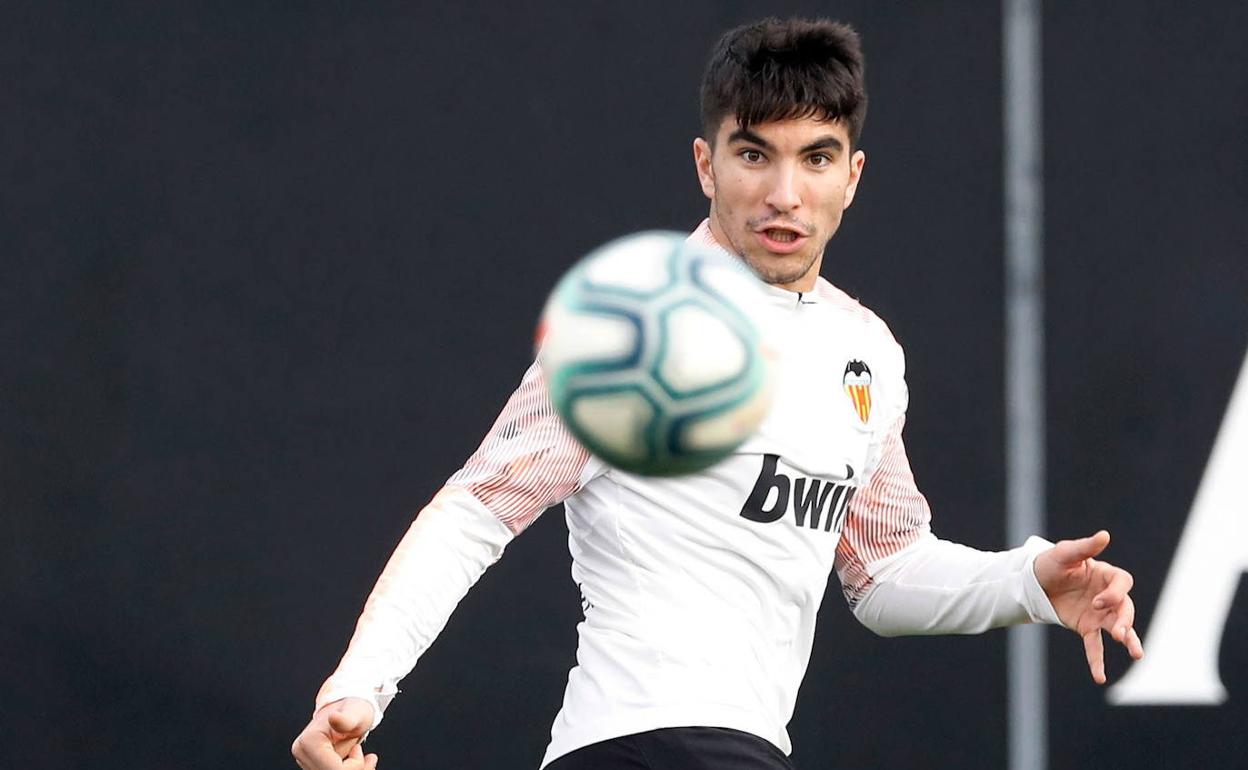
(770, 268)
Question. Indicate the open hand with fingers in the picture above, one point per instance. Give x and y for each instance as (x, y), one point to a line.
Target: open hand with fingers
(331, 741)
(1090, 596)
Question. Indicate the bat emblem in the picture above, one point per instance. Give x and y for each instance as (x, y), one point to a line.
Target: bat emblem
(857, 382)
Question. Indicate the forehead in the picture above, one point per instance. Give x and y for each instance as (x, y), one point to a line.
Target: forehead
(790, 133)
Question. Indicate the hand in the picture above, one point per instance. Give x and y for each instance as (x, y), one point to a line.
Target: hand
(1089, 596)
(331, 741)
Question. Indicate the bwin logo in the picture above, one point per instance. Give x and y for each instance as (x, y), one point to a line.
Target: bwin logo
(814, 500)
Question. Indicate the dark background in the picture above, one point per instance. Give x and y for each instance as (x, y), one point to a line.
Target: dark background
(269, 273)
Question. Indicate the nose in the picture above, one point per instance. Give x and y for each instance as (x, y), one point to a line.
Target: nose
(783, 195)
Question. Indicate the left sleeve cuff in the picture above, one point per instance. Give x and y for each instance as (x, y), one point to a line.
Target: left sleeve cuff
(1035, 600)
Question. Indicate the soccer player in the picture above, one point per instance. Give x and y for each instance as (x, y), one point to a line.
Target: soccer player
(701, 591)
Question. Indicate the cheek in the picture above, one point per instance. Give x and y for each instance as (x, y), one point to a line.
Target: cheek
(734, 191)
(830, 204)
(836, 200)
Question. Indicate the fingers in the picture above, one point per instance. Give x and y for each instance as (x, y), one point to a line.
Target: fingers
(356, 760)
(333, 736)
(1122, 628)
(1120, 622)
(312, 754)
(1115, 592)
(313, 751)
(1095, 652)
(1134, 645)
(343, 747)
(345, 732)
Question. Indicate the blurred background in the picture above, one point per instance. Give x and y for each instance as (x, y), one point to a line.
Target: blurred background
(270, 270)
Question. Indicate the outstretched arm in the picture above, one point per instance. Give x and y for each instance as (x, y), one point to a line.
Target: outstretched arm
(940, 587)
(900, 579)
(527, 463)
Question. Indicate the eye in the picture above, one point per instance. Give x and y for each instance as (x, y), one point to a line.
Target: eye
(819, 160)
(751, 156)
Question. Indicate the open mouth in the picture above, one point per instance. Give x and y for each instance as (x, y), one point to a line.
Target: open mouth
(780, 240)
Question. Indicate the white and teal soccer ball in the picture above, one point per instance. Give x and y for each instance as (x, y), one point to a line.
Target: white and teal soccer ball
(651, 354)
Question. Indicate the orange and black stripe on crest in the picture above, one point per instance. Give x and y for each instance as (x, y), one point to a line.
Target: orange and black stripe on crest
(857, 382)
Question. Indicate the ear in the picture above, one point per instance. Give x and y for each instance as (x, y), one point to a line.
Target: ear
(856, 162)
(702, 161)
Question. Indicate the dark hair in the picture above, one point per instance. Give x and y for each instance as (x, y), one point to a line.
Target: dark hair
(784, 70)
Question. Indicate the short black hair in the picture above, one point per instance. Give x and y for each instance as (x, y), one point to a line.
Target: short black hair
(784, 70)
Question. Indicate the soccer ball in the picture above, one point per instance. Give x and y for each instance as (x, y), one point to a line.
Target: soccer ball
(651, 356)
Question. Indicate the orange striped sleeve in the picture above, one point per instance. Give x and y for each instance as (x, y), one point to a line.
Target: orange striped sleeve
(886, 515)
(528, 460)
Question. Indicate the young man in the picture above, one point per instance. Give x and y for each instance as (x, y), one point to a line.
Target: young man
(701, 591)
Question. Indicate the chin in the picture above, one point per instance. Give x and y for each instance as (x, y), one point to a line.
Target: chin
(786, 269)
(778, 277)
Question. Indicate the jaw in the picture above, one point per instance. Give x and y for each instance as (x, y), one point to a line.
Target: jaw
(795, 272)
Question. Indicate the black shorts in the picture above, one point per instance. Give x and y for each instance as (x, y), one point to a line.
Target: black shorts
(678, 748)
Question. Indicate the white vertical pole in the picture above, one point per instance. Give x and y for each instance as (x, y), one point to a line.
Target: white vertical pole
(1024, 397)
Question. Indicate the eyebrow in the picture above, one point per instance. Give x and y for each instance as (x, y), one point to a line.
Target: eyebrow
(824, 143)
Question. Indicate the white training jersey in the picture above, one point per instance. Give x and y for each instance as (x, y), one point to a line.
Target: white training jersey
(701, 591)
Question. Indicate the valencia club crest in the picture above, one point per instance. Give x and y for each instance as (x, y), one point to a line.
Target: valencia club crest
(857, 381)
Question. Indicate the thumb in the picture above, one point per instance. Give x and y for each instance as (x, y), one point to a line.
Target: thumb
(1072, 552)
